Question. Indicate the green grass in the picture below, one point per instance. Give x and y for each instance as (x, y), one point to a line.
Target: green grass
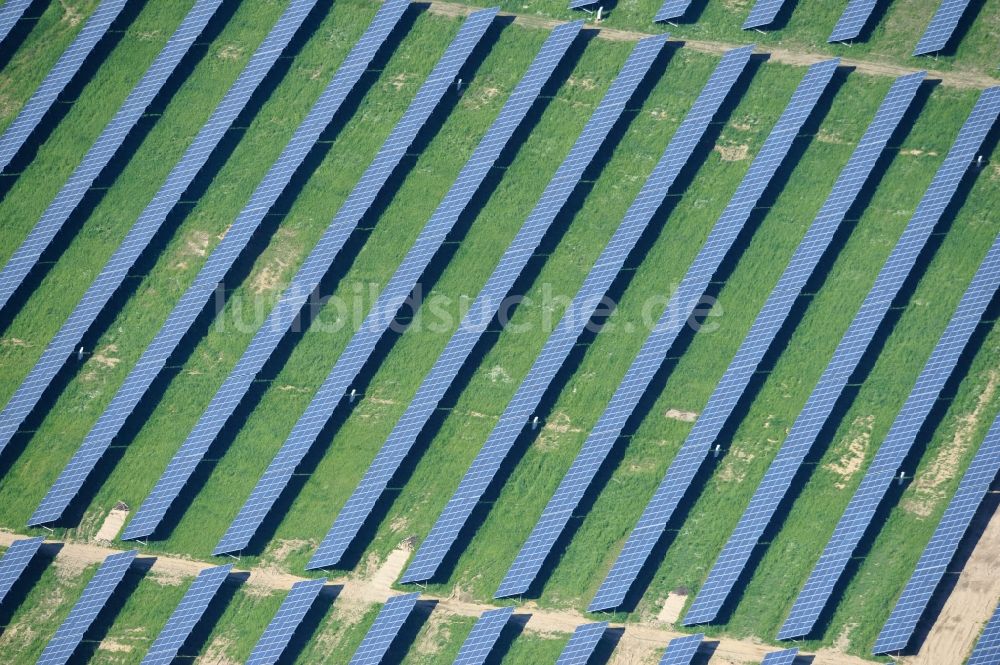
(601, 532)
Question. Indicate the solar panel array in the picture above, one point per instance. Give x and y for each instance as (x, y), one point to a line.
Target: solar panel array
(69, 63)
(387, 625)
(582, 643)
(786, 657)
(10, 13)
(860, 512)
(307, 279)
(186, 615)
(942, 27)
(852, 347)
(225, 254)
(95, 596)
(763, 13)
(359, 350)
(480, 642)
(104, 149)
(758, 340)
(671, 10)
(484, 309)
(987, 651)
(681, 650)
(15, 560)
(852, 21)
(139, 236)
(576, 317)
(934, 561)
(279, 631)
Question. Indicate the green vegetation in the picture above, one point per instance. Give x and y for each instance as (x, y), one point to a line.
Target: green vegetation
(602, 530)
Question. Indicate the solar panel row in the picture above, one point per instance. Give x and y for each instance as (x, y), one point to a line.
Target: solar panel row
(387, 625)
(579, 4)
(359, 350)
(671, 10)
(852, 21)
(786, 657)
(942, 27)
(675, 318)
(15, 560)
(307, 279)
(224, 255)
(69, 63)
(480, 642)
(576, 317)
(773, 488)
(186, 615)
(486, 305)
(763, 13)
(758, 340)
(582, 643)
(104, 149)
(681, 650)
(934, 561)
(30, 392)
(987, 651)
(860, 512)
(279, 631)
(10, 13)
(95, 596)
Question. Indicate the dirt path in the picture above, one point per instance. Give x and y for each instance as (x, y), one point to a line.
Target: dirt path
(786, 56)
(640, 642)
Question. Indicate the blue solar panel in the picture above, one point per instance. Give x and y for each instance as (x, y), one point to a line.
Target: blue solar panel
(387, 625)
(934, 561)
(987, 651)
(225, 254)
(279, 632)
(378, 320)
(104, 149)
(672, 10)
(69, 63)
(852, 21)
(769, 322)
(852, 347)
(860, 512)
(582, 644)
(95, 596)
(10, 13)
(518, 411)
(139, 236)
(942, 26)
(786, 657)
(480, 642)
(14, 561)
(763, 13)
(578, 4)
(485, 307)
(186, 615)
(307, 279)
(681, 650)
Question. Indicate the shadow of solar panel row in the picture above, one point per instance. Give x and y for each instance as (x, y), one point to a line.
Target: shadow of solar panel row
(480, 642)
(359, 350)
(681, 650)
(69, 63)
(941, 27)
(307, 279)
(387, 624)
(758, 340)
(28, 394)
(860, 512)
(582, 644)
(104, 149)
(763, 13)
(852, 347)
(987, 651)
(15, 560)
(786, 657)
(279, 631)
(225, 254)
(486, 305)
(562, 340)
(95, 596)
(934, 561)
(10, 13)
(852, 21)
(186, 615)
